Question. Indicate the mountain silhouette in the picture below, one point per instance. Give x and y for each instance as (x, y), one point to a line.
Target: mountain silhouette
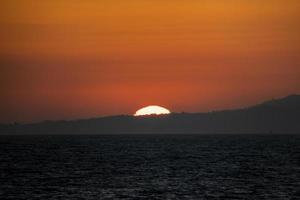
(274, 116)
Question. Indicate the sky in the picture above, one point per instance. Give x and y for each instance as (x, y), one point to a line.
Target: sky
(62, 59)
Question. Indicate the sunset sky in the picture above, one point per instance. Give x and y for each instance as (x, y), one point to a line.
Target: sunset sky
(63, 59)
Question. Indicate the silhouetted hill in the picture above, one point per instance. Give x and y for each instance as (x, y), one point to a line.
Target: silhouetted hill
(274, 116)
(289, 102)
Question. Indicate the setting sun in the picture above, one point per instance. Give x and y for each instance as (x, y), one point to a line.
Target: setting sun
(152, 110)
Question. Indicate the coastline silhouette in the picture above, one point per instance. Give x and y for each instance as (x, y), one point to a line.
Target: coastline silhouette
(274, 116)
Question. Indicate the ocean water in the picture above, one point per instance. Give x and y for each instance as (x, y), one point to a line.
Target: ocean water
(150, 167)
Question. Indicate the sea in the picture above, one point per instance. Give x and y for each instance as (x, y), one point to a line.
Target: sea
(149, 166)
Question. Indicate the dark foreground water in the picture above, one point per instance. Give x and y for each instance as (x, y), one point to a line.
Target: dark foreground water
(150, 167)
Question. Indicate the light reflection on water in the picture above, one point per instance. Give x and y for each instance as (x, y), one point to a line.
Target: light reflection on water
(150, 167)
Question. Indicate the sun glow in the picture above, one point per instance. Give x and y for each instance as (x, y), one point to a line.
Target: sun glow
(152, 110)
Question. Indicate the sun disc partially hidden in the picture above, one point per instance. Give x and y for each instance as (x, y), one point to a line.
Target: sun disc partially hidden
(152, 110)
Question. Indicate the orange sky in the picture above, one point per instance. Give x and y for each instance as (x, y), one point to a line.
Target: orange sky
(62, 59)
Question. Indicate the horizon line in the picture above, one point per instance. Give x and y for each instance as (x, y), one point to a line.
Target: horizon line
(152, 115)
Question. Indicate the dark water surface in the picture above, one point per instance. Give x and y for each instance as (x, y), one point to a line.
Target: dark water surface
(150, 167)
